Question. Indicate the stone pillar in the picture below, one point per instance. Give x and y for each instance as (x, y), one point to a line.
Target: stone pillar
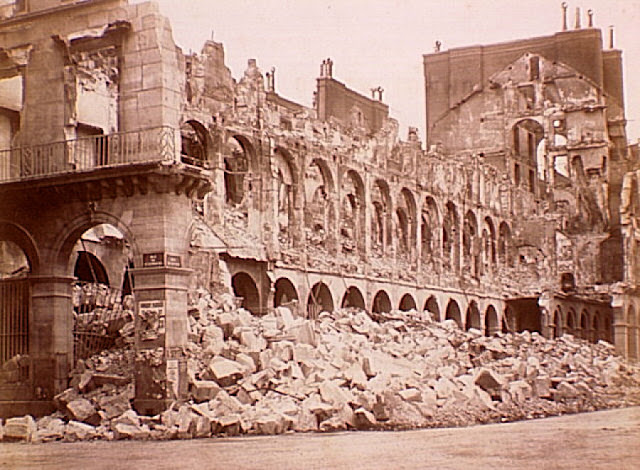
(620, 331)
(51, 334)
(161, 281)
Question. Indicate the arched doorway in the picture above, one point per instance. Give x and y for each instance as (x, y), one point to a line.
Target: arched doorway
(453, 313)
(245, 287)
(381, 303)
(319, 300)
(101, 258)
(491, 321)
(431, 305)
(407, 303)
(285, 292)
(473, 317)
(353, 298)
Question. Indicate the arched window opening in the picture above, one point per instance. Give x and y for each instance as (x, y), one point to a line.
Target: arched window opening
(380, 223)
(402, 231)
(470, 244)
(450, 246)
(195, 143)
(505, 245)
(236, 168)
(352, 215)
(429, 231)
(319, 214)
(284, 174)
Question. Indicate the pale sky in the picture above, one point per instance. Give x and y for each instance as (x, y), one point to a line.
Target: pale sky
(380, 42)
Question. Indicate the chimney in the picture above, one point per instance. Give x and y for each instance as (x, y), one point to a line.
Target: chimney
(611, 37)
(564, 16)
(578, 25)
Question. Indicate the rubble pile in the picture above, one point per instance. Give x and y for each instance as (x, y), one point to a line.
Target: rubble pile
(346, 370)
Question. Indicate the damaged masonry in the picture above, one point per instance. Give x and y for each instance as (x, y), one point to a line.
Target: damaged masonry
(204, 256)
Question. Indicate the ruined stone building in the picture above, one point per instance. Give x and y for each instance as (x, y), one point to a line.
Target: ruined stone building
(131, 164)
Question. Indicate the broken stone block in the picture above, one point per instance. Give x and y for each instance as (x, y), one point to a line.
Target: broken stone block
(333, 394)
(130, 431)
(355, 374)
(410, 394)
(20, 429)
(129, 417)
(444, 388)
(364, 419)
(63, 398)
(204, 390)
(225, 371)
(541, 386)
(270, 424)
(489, 381)
(247, 363)
(228, 425)
(519, 391)
(565, 391)
(186, 423)
(76, 431)
(380, 411)
(112, 406)
(302, 332)
(83, 410)
(202, 426)
(306, 420)
(213, 339)
(50, 429)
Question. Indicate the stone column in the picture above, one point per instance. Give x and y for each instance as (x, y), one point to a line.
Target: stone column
(161, 281)
(51, 334)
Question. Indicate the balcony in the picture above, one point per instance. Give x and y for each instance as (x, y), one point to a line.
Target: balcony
(90, 153)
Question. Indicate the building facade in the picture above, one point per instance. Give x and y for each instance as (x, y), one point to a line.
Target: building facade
(519, 215)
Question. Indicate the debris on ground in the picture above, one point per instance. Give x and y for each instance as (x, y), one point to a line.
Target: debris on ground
(345, 370)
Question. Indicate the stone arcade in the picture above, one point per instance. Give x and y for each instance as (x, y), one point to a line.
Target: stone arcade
(522, 214)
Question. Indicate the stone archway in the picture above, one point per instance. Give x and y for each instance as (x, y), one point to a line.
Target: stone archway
(381, 303)
(431, 305)
(473, 317)
(491, 321)
(407, 303)
(453, 313)
(245, 287)
(353, 298)
(285, 292)
(319, 300)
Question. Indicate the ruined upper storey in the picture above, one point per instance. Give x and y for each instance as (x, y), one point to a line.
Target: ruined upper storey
(451, 76)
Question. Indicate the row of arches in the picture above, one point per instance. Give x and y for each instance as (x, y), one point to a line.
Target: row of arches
(320, 298)
(591, 326)
(337, 209)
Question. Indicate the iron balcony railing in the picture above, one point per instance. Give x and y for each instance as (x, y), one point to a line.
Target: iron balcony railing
(88, 153)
